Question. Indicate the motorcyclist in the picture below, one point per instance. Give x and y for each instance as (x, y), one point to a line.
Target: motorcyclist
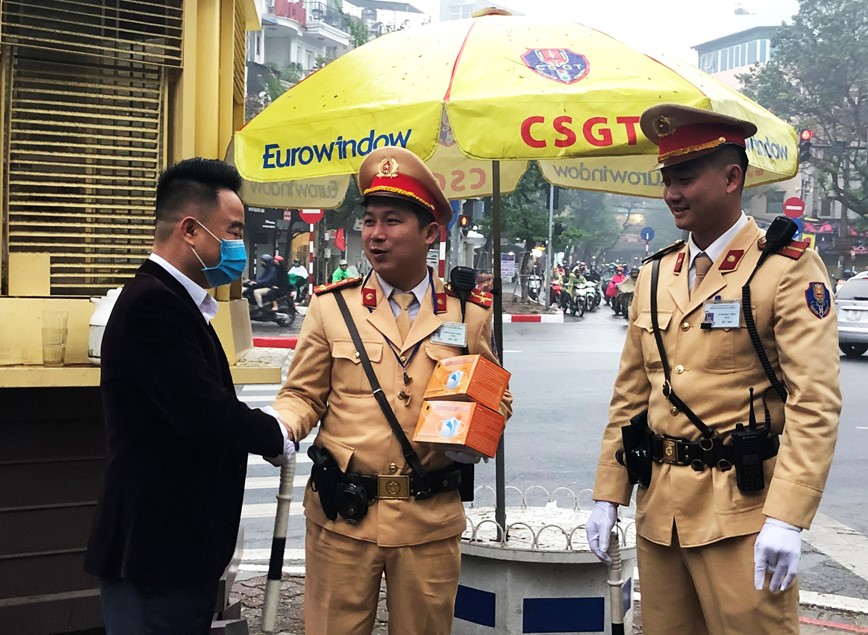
(625, 291)
(341, 272)
(281, 286)
(574, 281)
(612, 289)
(266, 279)
(557, 282)
(298, 278)
(629, 283)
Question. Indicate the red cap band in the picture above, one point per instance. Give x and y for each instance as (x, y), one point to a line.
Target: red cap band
(405, 186)
(695, 138)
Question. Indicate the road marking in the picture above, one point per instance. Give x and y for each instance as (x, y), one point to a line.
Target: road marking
(833, 602)
(844, 545)
(289, 555)
(272, 482)
(260, 387)
(254, 459)
(861, 428)
(267, 510)
(263, 568)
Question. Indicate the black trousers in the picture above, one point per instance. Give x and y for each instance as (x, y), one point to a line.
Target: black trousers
(147, 608)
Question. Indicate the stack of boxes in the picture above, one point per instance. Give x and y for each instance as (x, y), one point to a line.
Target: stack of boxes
(461, 410)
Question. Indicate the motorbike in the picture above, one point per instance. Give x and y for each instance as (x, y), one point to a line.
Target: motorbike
(575, 300)
(555, 294)
(299, 285)
(624, 300)
(591, 295)
(534, 283)
(284, 316)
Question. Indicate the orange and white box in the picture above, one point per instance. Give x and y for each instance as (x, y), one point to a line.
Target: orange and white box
(468, 377)
(460, 425)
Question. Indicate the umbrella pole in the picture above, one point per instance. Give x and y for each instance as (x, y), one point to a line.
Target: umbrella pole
(500, 491)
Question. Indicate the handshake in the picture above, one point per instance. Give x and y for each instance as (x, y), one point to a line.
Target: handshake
(290, 445)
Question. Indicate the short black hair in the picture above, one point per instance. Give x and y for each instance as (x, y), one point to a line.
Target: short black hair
(195, 181)
(731, 153)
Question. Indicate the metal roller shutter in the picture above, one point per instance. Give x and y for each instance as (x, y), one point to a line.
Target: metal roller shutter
(84, 134)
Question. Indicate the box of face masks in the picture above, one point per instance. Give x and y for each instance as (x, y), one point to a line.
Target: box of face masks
(468, 378)
(460, 425)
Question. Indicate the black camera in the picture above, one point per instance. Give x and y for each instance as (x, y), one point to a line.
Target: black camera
(352, 500)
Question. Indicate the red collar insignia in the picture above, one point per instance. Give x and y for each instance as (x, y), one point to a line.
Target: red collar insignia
(679, 262)
(441, 302)
(731, 260)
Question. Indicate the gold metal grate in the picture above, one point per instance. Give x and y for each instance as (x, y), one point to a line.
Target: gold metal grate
(84, 92)
(239, 54)
(144, 31)
(84, 148)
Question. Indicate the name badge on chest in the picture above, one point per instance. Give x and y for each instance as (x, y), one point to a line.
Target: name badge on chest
(451, 333)
(720, 314)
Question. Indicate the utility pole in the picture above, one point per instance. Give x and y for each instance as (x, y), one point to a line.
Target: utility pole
(549, 250)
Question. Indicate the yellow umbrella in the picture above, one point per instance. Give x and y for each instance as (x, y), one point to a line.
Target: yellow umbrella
(486, 93)
(503, 88)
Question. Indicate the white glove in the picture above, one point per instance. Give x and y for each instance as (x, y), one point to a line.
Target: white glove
(599, 528)
(464, 457)
(778, 549)
(289, 445)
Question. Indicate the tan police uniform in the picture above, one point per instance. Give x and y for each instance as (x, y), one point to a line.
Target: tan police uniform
(711, 371)
(414, 541)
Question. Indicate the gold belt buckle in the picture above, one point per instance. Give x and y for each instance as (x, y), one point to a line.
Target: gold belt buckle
(393, 486)
(670, 451)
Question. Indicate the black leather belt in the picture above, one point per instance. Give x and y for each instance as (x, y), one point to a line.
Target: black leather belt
(705, 452)
(406, 486)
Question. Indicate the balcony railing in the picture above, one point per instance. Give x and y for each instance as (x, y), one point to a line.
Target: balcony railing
(321, 12)
(291, 10)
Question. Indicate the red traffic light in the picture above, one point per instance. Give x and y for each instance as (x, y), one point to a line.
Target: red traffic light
(464, 220)
(805, 135)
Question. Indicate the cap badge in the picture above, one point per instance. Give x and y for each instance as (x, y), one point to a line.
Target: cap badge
(388, 167)
(663, 126)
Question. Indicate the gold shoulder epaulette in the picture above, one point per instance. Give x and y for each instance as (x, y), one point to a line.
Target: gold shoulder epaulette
(678, 244)
(793, 249)
(334, 286)
(477, 296)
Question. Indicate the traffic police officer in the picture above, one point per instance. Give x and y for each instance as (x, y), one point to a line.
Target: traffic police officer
(712, 557)
(414, 542)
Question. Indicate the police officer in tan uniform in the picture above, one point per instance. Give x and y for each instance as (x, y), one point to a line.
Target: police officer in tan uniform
(717, 554)
(407, 320)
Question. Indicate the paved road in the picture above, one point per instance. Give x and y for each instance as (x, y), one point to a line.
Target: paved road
(562, 378)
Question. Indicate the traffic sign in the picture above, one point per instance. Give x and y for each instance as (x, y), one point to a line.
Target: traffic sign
(456, 212)
(311, 215)
(801, 227)
(647, 234)
(794, 207)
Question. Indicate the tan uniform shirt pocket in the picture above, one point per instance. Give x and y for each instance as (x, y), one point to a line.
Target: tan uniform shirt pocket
(650, 352)
(348, 375)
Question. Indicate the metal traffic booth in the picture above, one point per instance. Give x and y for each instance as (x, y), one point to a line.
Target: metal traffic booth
(96, 98)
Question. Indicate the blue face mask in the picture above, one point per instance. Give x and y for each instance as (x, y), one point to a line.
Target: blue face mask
(233, 258)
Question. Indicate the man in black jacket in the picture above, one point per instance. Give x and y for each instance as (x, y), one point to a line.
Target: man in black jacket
(177, 435)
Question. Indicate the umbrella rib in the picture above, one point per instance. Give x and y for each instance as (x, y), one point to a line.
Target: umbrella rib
(457, 61)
